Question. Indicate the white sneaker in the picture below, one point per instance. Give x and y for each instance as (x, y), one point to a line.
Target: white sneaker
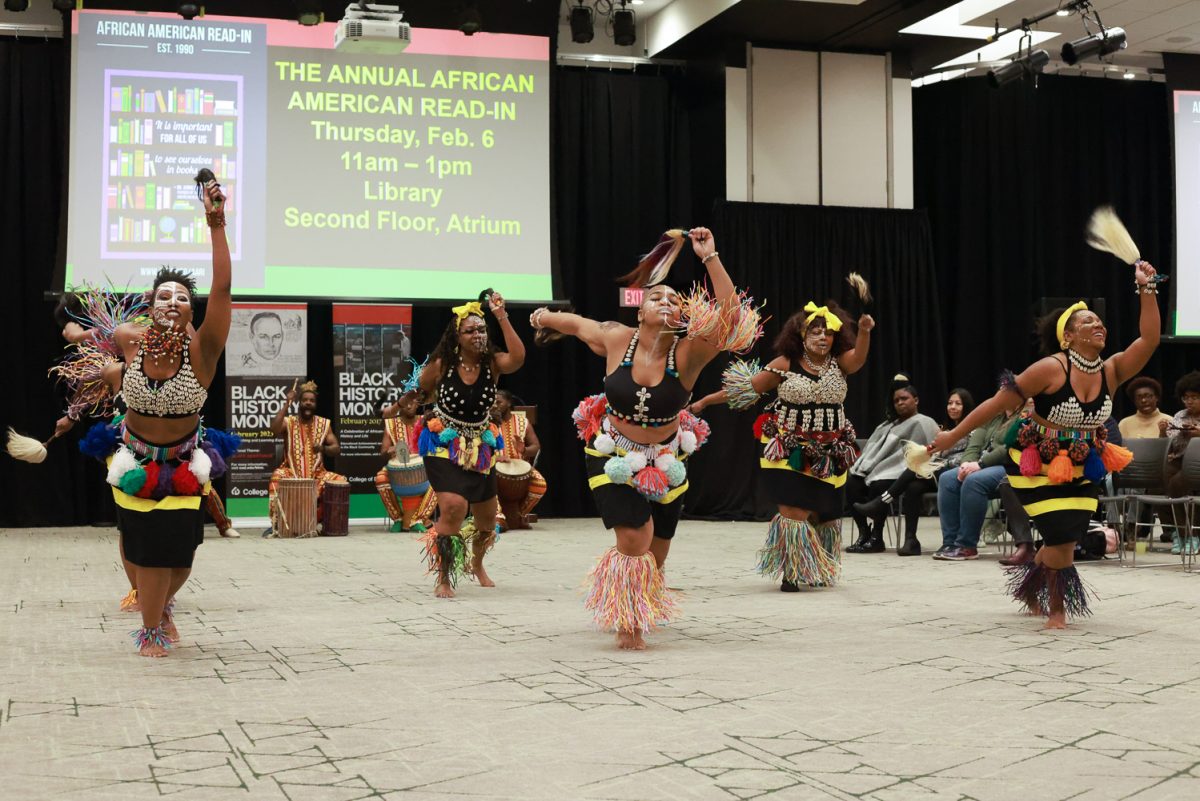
(231, 533)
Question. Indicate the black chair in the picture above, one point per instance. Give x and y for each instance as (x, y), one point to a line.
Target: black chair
(1155, 477)
(1144, 477)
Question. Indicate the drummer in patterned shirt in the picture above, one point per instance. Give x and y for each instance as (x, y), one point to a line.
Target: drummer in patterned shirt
(308, 439)
(401, 427)
(520, 442)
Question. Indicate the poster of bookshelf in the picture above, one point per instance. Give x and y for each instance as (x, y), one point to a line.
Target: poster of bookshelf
(162, 127)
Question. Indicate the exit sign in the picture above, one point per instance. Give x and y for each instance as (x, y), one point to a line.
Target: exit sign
(631, 297)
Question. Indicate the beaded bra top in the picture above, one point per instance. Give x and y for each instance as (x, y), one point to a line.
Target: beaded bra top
(1063, 408)
(471, 404)
(810, 402)
(649, 407)
(181, 395)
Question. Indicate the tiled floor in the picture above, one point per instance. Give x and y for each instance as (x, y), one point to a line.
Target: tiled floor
(324, 669)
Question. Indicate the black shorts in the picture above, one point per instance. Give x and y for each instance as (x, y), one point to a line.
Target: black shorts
(161, 538)
(445, 476)
(622, 505)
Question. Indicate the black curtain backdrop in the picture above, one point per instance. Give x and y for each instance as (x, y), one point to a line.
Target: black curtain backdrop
(790, 255)
(1009, 177)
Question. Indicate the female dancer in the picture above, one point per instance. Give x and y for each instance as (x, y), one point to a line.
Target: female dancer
(164, 457)
(458, 440)
(1064, 454)
(909, 487)
(808, 444)
(638, 433)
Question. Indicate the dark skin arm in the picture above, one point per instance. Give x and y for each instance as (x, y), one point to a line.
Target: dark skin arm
(531, 444)
(279, 423)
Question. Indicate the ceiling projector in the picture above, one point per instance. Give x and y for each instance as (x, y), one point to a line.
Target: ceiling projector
(372, 28)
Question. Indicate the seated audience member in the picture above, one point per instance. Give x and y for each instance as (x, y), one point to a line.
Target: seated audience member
(1183, 426)
(911, 488)
(1148, 422)
(964, 494)
(882, 461)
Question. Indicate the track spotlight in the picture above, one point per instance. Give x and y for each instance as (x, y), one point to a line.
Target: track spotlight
(624, 25)
(189, 10)
(582, 24)
(16, 5)
(1030, 64)
(1101, 44)
(308, 12)
(472, 21)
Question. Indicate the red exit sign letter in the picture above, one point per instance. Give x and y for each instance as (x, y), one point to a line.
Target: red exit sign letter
(631, 297)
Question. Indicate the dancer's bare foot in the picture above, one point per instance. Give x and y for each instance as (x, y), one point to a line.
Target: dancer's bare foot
(1058, 621)
(481, 575)
(630, 641)
(153, 650)
(443, 590)
(130, 603)
(169, 629)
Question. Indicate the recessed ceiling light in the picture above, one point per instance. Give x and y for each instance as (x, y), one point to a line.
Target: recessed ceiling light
(636, 2)
(1063, 12)
(1129, 76)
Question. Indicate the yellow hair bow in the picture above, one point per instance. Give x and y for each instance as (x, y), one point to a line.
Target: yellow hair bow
(814, 311)
(466, 310)
(1064, 317)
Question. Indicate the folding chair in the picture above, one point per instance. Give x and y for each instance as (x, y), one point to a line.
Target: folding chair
(1154, 477)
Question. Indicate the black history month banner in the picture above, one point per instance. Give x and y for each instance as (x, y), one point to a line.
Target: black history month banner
(371, 348)
(266, 352)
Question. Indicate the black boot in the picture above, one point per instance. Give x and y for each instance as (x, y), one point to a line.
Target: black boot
(788, 586)
(911, 546)
(875, 508)
(875, 544)
(864, 538)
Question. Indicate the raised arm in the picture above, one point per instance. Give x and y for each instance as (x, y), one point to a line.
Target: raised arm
(279, 422)
(1129, 362)
(215, 329)
(75, 333)
(511, 361)
(853, 360)
(705, 248)
(591, 333)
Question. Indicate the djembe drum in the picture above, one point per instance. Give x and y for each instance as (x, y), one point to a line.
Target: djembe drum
(512, 487)
(297, 503)
(335, 509)
(407, 477)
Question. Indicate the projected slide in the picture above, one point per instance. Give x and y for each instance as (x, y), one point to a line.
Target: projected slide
(1187, 212)
(418, 175)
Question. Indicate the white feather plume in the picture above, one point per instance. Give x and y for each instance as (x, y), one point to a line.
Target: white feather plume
(201, 466)
(122, 462)
(1106, 232)
(27, 449)
(920, 460)
(860, 287)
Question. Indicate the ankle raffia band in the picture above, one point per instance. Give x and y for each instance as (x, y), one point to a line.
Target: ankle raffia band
(1040, 587)
(445, 552)
(144, 636)
(795, 551)
(629, 593)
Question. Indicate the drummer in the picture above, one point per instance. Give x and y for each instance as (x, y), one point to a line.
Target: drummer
(520, 443)
(308, 440)
(401, 427)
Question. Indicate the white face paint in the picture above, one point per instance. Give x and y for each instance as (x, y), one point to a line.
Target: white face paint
(172, 305)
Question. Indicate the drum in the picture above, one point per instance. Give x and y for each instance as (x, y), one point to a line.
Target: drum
(408, 477)
(335, 509)
(512, 487)
(297, 506)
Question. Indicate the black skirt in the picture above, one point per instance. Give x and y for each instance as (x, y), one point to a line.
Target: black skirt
(445, 476)
(1062, 512)
(622, 505)
(161, 537)
(787, 487)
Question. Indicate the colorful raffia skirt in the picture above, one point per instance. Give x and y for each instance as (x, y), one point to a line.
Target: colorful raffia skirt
(805, 469)
(459, 459)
